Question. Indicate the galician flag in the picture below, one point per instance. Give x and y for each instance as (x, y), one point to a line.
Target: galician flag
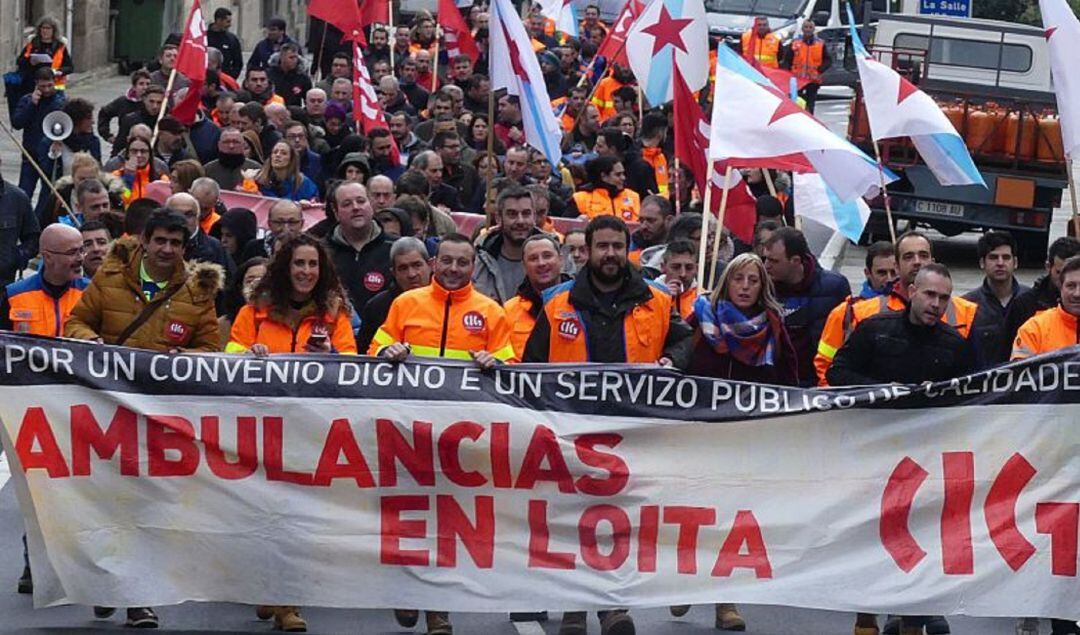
(515, 68)
(815, 200)
(564, 15)
(667, 34)
(755, 125)
(1063, 37)
(896, 108)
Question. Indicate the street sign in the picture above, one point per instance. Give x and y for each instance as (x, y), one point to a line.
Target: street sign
(953, 8)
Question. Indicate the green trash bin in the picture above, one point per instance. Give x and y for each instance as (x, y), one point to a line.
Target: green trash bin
(139, 31)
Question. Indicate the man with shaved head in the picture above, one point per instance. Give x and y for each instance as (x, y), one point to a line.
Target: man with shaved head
(200, 247)
(40, 304)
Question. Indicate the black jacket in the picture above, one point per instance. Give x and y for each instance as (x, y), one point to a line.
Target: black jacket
(1041, 296)
(806, 307)
(115, 109)
(291, 85)
(373, 316)
(640, 176)
(127, 122)
(231, 51)
(889, 348)
(991, 327)
(19, 232)
(604, 327)
(363, 273)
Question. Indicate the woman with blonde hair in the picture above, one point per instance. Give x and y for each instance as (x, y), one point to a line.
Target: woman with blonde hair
(83, 167)
(740, 333)
(280, 176)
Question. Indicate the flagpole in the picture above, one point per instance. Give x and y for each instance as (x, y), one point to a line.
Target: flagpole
(161, 113)
(37, 168)
(1072, 196)
(768, 181)
(640, 106)
(322, 44)
(703, 243)
(435, 63)
(885, 192)
(489, 194)
(719, 226)
(675, 179)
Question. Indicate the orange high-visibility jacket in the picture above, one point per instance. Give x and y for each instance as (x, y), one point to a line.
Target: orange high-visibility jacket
(655, 157)
(1046, 331)
(35, 311)
(807, 58)
(518, 314)
(766, 50)
(645, 327)
(604, 97)
(598, 202)
(264, 326)
(436, 322)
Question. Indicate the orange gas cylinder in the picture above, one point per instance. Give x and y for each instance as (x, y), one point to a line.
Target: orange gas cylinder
(1050, 147)
(980, 131)
(954, 112)
(1026, 133)
(997, 125)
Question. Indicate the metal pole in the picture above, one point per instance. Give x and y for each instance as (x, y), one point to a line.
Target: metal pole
(161, 113)
(1072, 196)
(675, 180)
(703, 243)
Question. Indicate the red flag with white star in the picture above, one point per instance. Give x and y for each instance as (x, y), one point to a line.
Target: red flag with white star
(191, 63)
(669, 34)
(367, 111)
(613, 48)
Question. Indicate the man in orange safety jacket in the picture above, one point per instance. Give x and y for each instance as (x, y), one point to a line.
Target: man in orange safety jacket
(1054, 328)
(760, 44)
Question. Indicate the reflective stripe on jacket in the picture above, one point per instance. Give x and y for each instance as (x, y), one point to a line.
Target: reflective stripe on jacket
(435, 322)
(766, 50)
(35, 311)
(1047, 331)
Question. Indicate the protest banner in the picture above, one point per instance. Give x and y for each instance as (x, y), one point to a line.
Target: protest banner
(150, 479)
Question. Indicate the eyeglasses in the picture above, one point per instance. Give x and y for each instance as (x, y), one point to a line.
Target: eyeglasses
(137, 151)
(71, 253)
(291, 222)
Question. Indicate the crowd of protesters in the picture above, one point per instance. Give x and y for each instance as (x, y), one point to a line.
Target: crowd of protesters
(386, 270)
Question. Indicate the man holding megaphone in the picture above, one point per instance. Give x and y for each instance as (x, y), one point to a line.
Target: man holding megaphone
(29, 116)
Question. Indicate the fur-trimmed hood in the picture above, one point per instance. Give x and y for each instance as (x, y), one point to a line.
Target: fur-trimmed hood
(125, 255)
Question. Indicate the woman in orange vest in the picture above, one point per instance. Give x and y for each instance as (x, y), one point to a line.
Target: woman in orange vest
(297, 307)
(138, 170)
(44, 49)
(607, 195)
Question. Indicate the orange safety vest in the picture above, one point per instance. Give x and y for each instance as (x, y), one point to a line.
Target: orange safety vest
(598, 202)
(206, 223)
(806, 59)
(960, 314)
(766, 50)
(138, 187)
(604, 97)
(274, 99)
(257, 326)
(1047, 331)
(655, 157)
(521, 323)
(59, 79)
(567, 121)
(35, 312)
(435, 322)
(557, 103)
(686, 301)
(645, 327)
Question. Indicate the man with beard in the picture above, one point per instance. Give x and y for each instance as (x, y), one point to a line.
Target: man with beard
(604, 96)
(258, 89)
(407, 142)
(96, 240)
(575, 101)
(509, 129)
(543, 264)
(458, 174)
(228, 168)
(476, 93)
(378, 49)
(410, 269)
(380, 145)
(655, 220)
(391, 98)
(414, 92)
(499, 268)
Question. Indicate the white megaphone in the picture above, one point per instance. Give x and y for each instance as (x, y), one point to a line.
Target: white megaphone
(57, 125)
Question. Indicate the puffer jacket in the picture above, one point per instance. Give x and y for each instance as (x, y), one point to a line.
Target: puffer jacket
(114, 299)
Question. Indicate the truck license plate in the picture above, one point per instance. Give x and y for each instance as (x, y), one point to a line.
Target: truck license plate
(941, 209)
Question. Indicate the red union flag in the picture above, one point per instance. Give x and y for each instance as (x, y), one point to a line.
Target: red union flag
(345, 15)
(613, 48)
(366, 109)
(191, 63)
(459, 40)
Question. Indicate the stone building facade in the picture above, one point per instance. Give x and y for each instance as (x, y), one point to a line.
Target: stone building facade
(91, 24)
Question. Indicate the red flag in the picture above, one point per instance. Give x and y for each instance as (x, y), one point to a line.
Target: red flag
(375, 12)
(780, 78)
(191, 63)
(345, 15)
(458, 37)
(367, 111)
(613, 48)
(692, 133)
